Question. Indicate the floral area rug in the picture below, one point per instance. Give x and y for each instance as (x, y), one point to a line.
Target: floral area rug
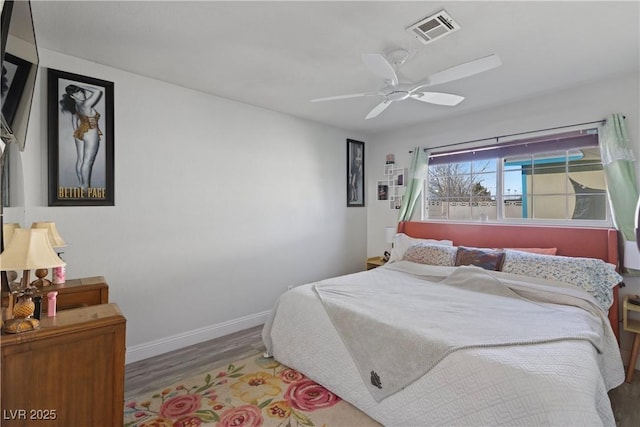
(255, 391)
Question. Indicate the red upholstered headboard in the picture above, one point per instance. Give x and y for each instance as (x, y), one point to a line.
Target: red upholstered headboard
(599, 243)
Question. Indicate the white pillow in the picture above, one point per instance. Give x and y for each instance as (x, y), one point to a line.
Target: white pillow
(402, 242)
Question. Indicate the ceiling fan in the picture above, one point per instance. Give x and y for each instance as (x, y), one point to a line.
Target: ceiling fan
(394, 90)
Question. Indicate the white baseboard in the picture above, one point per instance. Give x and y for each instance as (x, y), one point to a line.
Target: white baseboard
(175, 342)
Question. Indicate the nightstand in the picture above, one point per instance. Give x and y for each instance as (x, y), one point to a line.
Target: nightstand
(374, 262)
(631, 325)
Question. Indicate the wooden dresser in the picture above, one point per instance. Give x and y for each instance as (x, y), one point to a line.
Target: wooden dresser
(70, 372)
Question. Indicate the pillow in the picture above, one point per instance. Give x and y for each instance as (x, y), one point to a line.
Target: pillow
(543, 251)
(590, 274)
(427, 253)
(402, 242)
(489, 259)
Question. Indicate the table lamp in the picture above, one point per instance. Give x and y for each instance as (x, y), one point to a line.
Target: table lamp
(56, 242)
(7, 234)
(631, 255)
(28, 249)
(389, 233)
(632, 249)
(638, 224)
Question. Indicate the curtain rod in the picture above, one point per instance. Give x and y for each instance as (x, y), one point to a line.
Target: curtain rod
(514, 134)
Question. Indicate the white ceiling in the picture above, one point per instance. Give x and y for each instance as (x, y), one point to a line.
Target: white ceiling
(279, 55)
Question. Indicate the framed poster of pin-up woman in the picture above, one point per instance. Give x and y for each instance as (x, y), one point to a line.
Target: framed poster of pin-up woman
(80, 121)
(355, 173)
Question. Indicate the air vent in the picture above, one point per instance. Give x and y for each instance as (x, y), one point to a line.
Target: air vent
(434, 27)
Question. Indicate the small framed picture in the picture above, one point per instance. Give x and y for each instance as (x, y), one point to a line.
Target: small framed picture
(391, 159)
(80, 119)
(355, 173)
(383, 192)
(14, 78)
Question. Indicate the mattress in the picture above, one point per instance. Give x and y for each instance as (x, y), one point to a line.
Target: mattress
(562, 382)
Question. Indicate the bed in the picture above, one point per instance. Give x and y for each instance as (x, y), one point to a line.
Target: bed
(412, 344)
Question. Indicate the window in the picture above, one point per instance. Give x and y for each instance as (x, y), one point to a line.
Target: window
(555, 178)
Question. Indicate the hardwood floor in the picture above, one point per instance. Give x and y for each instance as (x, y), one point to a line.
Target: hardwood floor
(156, 372)
(625, 401)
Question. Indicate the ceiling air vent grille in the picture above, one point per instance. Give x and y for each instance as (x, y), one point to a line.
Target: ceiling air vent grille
(434, 27)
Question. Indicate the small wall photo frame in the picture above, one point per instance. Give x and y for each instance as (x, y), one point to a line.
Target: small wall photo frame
(355, 173)
(80, 140)
(14, 78)
(383, 192)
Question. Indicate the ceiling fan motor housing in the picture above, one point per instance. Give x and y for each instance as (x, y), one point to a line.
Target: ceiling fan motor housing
(396, 93)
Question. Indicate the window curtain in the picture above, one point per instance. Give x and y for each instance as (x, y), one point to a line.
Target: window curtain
(417, 172)
(620, 175)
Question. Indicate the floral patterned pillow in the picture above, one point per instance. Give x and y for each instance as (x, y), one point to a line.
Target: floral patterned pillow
(489, 259)
(402, 242)
(592, 275)
(425, 253)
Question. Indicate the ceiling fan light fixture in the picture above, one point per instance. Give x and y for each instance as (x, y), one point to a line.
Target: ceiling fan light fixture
(398, 57)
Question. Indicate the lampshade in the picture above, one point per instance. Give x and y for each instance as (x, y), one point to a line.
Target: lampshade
(54, 236)
(29, 249)
(638, 224)
(7, 232)
(390, 232)
(631, 255)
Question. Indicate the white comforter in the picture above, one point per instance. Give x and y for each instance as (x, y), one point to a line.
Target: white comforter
(553, 383)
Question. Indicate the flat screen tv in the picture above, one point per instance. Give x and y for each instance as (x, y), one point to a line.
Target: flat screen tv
(19, 68)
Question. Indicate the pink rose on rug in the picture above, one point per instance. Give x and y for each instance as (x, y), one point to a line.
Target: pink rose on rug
(241, 416)
(180, 405)
(307, 395)
(291, 375)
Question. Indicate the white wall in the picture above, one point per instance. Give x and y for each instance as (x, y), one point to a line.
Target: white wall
(219, 207)
(576, 105)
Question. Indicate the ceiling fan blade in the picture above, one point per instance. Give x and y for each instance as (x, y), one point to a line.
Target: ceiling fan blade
(438, 98)
(379, 66)
(460, 71)
(351, 95)
(378, 109)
